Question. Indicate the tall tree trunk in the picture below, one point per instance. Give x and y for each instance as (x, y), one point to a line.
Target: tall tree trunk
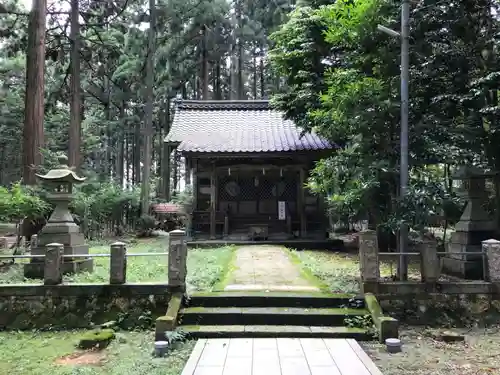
(239, 41)
(262, 77)
(204, 72)
(148, 123)
(120, 160)
(137, 153)
(74, 155)
(33, 135)
(217, 80)
(255, 72)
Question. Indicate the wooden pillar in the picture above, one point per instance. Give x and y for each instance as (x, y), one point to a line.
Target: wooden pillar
(213, 203)
(187, 170)
(194, 166)
(301, 203)
(194, 184)
(166, 160)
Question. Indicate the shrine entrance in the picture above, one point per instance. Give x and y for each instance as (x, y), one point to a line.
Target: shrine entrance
(259, 197)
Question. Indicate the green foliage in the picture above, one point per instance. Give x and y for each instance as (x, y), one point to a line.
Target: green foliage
(343, 82)
(175, 336)
(145, 226)
(185, 198)
(364, 322)
(19, 202)
(97, 204)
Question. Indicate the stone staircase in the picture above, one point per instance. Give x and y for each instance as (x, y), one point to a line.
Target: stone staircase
(262, 314)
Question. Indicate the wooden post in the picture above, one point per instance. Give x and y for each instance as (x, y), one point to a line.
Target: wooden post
(177, 258)
(226, 225)
(213, 203)
(118, 264)
(301, 203)
(195, 184)
(166, 159)
(53, 264)
(368, 261)
(187, 170)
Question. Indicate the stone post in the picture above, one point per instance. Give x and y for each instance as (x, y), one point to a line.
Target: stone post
(491, 249)
(53, 264)
(368, 261)
(177, 255)
(430, 267)
(34, 241)
(118, 263)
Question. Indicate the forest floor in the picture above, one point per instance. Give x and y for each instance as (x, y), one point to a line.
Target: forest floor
(422, 354)
(478, 354)
(206, 267)
(41, 353)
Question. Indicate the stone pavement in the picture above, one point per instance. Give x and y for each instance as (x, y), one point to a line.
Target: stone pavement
(282, 356)
(266, 267)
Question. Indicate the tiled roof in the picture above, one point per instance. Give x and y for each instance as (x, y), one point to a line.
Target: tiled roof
(237, 126)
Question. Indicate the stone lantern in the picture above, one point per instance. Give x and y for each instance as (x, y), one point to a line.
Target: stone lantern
(60, 227)
(474, 226)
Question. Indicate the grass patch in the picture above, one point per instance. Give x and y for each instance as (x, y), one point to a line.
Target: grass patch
(229, 268)
(40, 353)
(339, 272)
(206, 267)
(306, 272)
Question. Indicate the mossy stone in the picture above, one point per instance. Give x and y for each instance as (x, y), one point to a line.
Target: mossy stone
(96, 339)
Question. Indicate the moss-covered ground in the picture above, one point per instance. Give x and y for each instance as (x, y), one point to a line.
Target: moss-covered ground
(42, 353)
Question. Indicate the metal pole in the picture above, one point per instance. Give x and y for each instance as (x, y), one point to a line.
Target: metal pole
(403, 169)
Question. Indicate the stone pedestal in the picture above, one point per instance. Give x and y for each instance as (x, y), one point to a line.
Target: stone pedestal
(60, 228)
(68, 234)
(474, 227)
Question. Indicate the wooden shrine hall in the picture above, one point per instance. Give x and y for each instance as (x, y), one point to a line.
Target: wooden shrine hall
(248, 169)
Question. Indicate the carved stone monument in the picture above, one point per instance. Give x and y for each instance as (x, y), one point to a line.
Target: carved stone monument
(474, 226)
(60, 227)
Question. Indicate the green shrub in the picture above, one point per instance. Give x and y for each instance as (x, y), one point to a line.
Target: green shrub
(19, 202)
(145, 226)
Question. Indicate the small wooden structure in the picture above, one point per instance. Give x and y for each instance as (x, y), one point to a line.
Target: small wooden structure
(248, 168)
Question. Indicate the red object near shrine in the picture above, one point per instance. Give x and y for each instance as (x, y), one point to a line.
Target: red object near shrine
(166, 208)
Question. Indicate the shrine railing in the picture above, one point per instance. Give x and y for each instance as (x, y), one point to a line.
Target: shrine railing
(432, 281)
(54, 257)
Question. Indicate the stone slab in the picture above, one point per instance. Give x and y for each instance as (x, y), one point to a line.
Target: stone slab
(280, 356)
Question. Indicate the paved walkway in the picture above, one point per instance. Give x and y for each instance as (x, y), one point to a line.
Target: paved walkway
(266, 267)
(280, 356)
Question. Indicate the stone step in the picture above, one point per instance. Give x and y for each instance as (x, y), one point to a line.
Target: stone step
(258, 331)
(268, 316)
(273, 299)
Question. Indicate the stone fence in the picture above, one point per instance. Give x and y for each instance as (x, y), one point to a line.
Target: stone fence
(55, 304)
(430, 272)
(177, 256)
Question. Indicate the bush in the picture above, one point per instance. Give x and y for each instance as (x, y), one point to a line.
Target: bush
(145, 226)
(19, 202)
(98, 205)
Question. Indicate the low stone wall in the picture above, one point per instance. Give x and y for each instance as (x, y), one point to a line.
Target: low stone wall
(24, 307)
